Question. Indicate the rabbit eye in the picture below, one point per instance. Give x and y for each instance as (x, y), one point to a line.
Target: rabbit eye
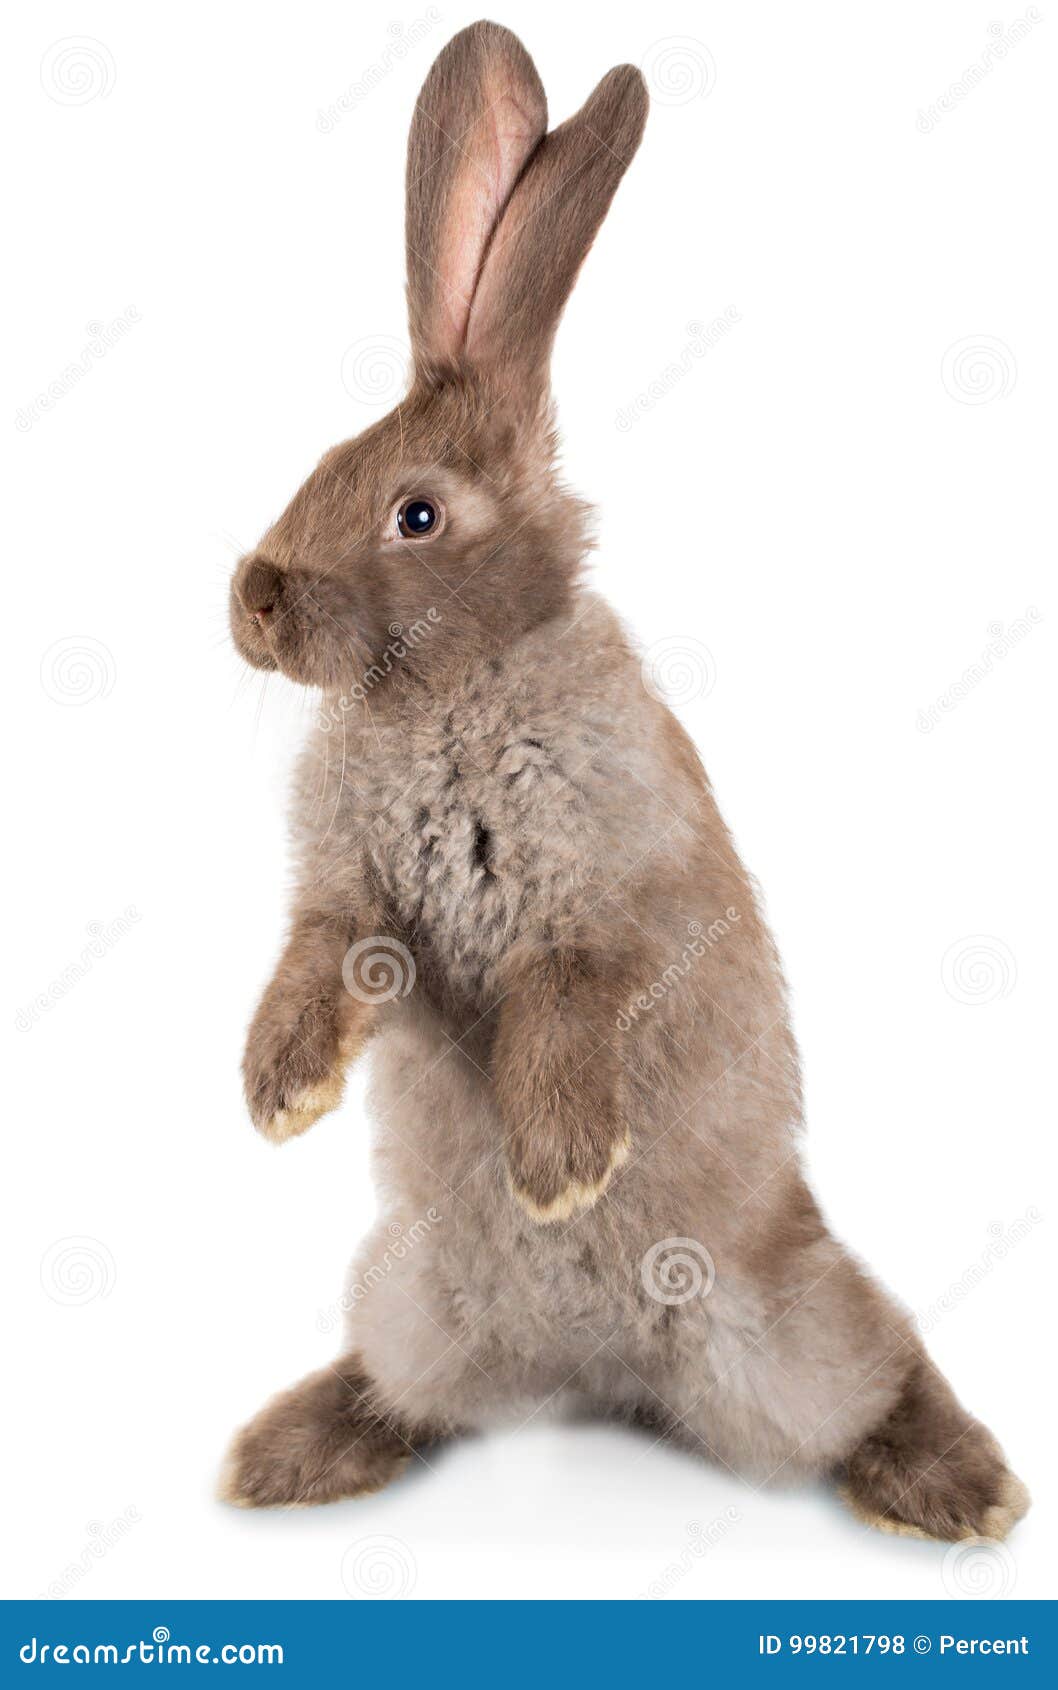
(416, 517)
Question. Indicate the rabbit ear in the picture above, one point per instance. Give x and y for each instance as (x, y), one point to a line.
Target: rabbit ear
(480, 114)
(550, 222)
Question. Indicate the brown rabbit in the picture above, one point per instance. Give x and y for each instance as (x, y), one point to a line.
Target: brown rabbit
(515, 883)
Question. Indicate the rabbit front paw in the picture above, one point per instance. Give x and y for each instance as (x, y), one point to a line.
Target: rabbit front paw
(294, 1069)
(554, 1180)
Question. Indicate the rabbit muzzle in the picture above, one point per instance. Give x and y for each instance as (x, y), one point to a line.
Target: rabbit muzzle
(256, 593)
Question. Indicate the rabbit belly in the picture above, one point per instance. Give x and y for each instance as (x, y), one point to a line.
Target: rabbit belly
(462, 1308)
(467, 1314)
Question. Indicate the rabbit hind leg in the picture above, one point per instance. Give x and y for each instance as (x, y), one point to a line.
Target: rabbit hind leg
(931, 1470)
(324, 1439)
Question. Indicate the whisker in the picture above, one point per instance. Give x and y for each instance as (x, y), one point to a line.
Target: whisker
(260, 707)
(321, 795)
(341, 786)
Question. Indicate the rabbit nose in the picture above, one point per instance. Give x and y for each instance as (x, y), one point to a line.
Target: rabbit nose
(257, 585)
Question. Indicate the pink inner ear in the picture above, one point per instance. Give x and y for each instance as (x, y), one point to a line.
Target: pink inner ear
(494, 151)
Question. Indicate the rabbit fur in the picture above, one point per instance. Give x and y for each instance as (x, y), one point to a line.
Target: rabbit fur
(516, 890)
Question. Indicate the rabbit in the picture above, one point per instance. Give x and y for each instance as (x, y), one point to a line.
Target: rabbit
(516, 892)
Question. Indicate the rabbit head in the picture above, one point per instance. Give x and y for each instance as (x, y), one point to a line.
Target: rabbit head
(452, 502)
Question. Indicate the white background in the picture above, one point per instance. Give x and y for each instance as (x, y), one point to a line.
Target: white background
(825, 500)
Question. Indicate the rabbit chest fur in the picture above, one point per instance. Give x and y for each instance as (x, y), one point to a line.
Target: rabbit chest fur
(489, 810)
(482, 846)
